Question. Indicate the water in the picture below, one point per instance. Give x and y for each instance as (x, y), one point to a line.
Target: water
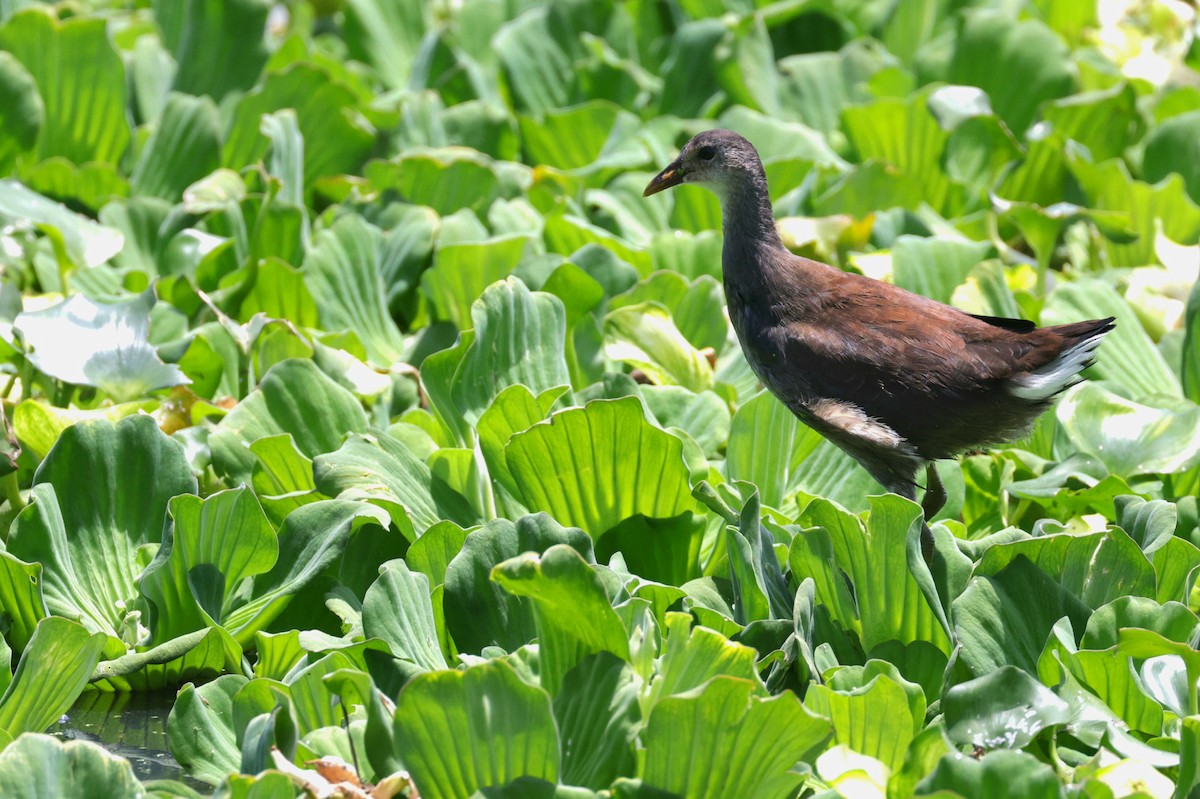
(132, 725)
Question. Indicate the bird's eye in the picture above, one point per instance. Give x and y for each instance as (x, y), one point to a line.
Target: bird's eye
(706, 153)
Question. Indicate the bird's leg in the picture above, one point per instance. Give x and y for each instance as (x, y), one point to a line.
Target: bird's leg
(907, 488)
(935, 492)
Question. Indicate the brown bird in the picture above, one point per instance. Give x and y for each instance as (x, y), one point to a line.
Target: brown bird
(895, 379)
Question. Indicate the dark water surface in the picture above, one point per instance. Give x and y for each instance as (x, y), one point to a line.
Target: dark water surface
(132, 725)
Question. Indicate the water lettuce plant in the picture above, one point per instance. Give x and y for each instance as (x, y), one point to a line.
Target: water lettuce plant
(354, 393)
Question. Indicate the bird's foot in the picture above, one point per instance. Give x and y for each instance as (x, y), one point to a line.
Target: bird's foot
(927, 544)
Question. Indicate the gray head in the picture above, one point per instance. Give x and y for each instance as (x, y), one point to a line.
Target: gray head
(720, 160)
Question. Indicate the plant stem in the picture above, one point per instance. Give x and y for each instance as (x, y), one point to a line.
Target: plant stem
(12, 492)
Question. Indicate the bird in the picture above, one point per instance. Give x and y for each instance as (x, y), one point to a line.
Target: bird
(896, 380)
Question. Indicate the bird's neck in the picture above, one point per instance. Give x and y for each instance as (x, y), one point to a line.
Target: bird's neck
(751, 237)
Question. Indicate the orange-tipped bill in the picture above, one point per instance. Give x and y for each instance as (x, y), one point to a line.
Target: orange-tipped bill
(671, 176)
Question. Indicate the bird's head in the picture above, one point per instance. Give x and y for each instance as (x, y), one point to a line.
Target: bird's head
(716, 159)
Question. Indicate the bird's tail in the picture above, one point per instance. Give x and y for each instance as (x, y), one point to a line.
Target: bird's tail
(1081, 340)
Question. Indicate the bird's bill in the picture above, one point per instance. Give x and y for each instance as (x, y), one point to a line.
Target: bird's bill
(671, 176)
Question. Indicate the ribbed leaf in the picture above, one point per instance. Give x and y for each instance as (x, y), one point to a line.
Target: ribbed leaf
(21, 112)
(875, 719)
(53, 671)
(459, 731)
(723, 741)
(294, 397)
(596, 466)
(597, 714)
(479, 613)
(861, 571)
(571, 609)
(386, 473)
(38, 765)
(215, 544)
(322, 108)
(219, 45)
(760, 449)
(87, 243)
(344, 271)
(184, 147)
(386, 36)
(1108, 186)
(398, 610)
(1019, 64)
(1127, 356)
(106, 346)
(80, 78)
(102, 494)
(519, 337)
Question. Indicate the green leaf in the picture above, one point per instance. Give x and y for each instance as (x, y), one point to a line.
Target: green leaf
(1127, 356)
(106, 346)
(518, 338)
(213, 547)
(1096, 568)
(459, 731)
(81, 80)
(22, 114)
(597, 714)
(461, 272)
(1129, 437)
(665, 550)
(447, 179)
(95, 509)
(39, 424)
(693, 656)
(595, 466)
(1190, 374)
(1106, 122)
(935, 267)
(196, 655)
(23, 603)
(324, 110)
(280, 292)
(1004, 619)
(587, 138)
(312, 538)
(1173, 147)
(36, 766)
(1004, 774)
(1006, 708)
(1019, 64)
(760, 449)
(536, 67)
(384, 472)
(862, 574)
(200, 728)
(514, 409)
(386, 36)
(53, 672)
(904, 135)
(875, 719)
(479, 613)
(723, 741)
(220, 46)
(87, 243)
(1164, 205)
(571, 609)
(345, 271)
(398, 610)
(645, 337)
(294, 397)
(184, 147)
